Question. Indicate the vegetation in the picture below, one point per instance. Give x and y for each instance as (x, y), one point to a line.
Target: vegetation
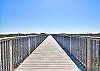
(12, 35)
(20, 34)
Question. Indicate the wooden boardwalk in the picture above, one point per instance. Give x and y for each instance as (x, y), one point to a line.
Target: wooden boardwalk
(48, 56)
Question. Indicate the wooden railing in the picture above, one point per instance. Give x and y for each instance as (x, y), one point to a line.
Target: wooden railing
(13, 50)
(84, 50)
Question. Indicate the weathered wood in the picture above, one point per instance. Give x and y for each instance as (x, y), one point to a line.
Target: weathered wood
(11, 55)
(88, 53)
(70, 44)
(48, 56)
(0, 58)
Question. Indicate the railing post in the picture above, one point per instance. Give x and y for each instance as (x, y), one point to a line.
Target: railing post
(79, 48)
(88, 53)
(35, 41)
(85, 40)
(11, 55)
(70, 44)
(0, 58)
(98, 56)
(28, 45)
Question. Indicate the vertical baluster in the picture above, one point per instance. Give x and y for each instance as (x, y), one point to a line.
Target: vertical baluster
(88, 53)
(91, 55)
(28, 45)
(94, 54)
(98, 59)
(17, 50)
(32, 44)
(13, 51)
(0, 56)
(70, 43)
(81, 49)
(7, 54)
(63, 41)
(25, 47)
(13, 54)
(11, 63)
(21, 50)
(39, 40)
(35, 41)
(4, 61)
(85, 52)
(18, 44)
(78, 47)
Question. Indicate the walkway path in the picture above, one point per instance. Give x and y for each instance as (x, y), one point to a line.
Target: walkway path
(48, 56)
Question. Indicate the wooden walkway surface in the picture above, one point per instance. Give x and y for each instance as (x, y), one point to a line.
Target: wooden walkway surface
(48, 56)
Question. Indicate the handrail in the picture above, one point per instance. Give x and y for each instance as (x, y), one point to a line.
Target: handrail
(82, 50)
(13, 50)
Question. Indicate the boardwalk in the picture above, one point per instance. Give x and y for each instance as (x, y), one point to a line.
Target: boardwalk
(48, 56)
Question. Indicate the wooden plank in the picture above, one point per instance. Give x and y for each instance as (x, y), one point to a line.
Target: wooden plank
(88, 53)
(0, 58)
(11, 62)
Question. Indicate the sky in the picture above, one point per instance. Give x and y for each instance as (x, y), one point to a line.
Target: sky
(49, 16)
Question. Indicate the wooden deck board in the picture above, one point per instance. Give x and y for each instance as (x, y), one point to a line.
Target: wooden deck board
(48, 56)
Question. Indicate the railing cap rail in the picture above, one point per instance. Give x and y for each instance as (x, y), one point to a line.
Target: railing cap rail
(8, 38)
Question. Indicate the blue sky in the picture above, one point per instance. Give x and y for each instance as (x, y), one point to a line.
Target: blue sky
(50, 16)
